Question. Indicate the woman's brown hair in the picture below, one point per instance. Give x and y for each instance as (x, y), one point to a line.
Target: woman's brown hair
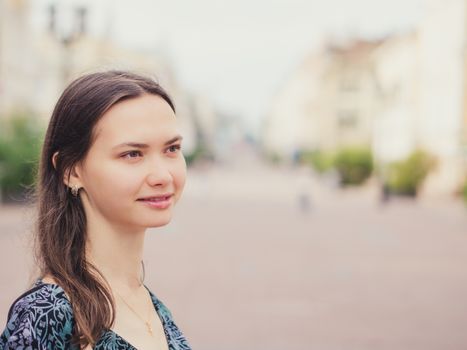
(60, 235)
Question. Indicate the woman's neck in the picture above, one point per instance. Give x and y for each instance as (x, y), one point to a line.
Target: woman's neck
(117, 253)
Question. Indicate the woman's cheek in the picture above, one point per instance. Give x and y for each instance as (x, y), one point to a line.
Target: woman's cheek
(121, 180)
(128, 182)
(181, 177)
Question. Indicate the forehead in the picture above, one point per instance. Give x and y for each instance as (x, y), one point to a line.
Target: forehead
(147, 117)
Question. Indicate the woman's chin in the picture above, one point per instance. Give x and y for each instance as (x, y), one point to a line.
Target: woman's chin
(159, 223)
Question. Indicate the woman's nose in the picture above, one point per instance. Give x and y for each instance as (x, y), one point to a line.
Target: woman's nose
(159, 176)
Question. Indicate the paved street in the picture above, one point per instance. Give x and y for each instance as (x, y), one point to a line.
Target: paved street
(243, 267)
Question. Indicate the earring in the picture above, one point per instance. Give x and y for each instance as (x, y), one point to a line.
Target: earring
(75, 190)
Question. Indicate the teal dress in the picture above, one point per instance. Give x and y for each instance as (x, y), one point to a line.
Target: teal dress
(42, 319)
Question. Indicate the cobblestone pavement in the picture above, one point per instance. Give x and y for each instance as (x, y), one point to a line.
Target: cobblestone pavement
(241, 266)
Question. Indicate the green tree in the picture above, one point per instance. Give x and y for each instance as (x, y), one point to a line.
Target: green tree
(201, 152)
(20, 139)
(354, 165)
(319, 160)
(464, 191)
(405, 177)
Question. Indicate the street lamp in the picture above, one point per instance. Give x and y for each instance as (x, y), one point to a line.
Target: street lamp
(67, 33)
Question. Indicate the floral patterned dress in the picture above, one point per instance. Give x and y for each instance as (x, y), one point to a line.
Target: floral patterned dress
(42, 319)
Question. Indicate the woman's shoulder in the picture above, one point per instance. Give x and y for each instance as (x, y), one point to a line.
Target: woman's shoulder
(40, 317)
(41, 299)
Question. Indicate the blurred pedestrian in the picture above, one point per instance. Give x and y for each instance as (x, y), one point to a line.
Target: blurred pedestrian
(385, 194)
(304, 189)
(111, 167)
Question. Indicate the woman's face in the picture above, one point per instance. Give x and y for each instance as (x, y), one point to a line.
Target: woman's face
(136, 154)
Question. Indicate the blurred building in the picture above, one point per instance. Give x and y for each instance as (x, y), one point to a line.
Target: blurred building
(443, 39)
(35, 66)
(400, 94)
(289, 126)
(395, 129)
(16, 69)
(422, 80)
(328, 103)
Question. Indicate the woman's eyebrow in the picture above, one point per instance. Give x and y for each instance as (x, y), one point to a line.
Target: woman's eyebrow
(144, 145)
(174, 139)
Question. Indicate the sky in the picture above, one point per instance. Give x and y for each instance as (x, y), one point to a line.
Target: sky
(239, 53)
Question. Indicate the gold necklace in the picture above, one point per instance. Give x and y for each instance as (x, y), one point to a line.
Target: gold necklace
(147, 323)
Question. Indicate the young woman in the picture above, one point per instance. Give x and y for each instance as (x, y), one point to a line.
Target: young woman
(111, 166)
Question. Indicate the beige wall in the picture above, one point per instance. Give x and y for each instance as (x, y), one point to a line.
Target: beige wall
(328, 103)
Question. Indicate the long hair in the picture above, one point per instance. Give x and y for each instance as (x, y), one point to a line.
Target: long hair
(60, 235)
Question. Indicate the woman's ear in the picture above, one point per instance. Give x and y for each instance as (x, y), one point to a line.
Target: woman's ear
(71, 176)
(54, 160)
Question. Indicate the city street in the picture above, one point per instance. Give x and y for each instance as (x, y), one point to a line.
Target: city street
(262, 259)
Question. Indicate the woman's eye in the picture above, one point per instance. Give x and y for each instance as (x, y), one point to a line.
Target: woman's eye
(132, 154)
(174, 148)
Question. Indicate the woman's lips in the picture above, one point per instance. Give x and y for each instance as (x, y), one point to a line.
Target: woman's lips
(157, 202)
